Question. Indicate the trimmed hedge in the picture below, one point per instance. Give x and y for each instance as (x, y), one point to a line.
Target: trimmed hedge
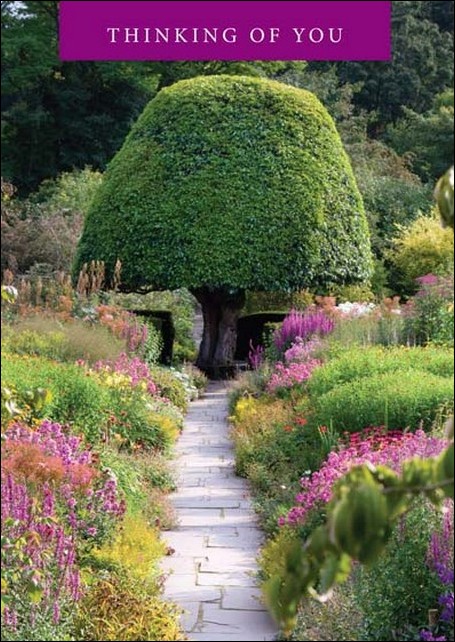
(230, 182)
(358, 362)
(163, 322)
(253, 328)
(398, 400)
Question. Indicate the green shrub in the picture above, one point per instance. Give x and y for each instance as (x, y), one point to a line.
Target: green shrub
(144, 479)
(398, 400)
(387, 330)
(270, 301)
(432, 310)
(336, 619)
(171, 387)
(132, 423)
(196, 377)
(250, 383)
(116, 607)
(399, 589)
(273, 451)
(153, 345)
(69, 341)
(358, 362)
(135, 548)
(361, 292)
(75, 398)
(99, 411)
(422, 248)
(130, 477)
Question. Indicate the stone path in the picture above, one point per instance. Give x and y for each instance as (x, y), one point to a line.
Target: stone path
(217, 540)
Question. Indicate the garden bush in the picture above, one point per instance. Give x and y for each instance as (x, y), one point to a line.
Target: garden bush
(359, 362)
(101, 405)
(46, 337)
(397, 400)
(422, 248)
(274, 447)
(118, 608)
(257, 302)
(74, 397)
(397, 592)
(430, 313)
(144, 479)
(163, 322)
(170, 387)
(136, 548)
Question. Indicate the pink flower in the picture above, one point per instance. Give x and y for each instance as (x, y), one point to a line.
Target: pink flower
(291, 375)
(390, 450)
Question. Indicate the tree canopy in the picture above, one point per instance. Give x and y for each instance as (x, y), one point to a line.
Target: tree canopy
(233, 182)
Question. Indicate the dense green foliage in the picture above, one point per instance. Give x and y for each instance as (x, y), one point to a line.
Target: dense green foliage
(424, 247)
(421, 66)
(98, 411)
(44, 228)
(385, 593)
(230, 181)
(73, 397)
(427, 137)
(57, 115)
(357, 362)
(399, 400)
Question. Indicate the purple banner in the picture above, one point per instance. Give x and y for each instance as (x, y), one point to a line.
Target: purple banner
(225, 30)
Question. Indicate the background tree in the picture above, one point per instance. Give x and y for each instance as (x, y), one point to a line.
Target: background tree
(427, 138)
(421, 64)
(227, 183)
(57, 116)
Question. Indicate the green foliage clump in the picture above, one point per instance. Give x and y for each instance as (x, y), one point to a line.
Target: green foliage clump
(118, 608)
(422, 248)
(273, 301)
(230, 181)
(432, 318)
(89, 404)
(359, 362)
(398, 400)
(136, 548)
(70, 341)
(259, 425)
(74, 398)
(170, 386)
(398, 591)
(427, 137)
(70, 192)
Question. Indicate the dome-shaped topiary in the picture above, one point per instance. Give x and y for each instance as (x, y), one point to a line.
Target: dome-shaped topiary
(227, 183)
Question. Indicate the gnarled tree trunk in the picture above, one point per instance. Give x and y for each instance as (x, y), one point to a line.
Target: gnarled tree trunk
(220, 309)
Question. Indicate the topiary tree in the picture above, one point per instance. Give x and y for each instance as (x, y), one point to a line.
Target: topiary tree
(227, 183)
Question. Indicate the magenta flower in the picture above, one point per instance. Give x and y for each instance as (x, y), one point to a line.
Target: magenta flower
(301, 325)
(285, 377)
(54, 503)
(386, 449)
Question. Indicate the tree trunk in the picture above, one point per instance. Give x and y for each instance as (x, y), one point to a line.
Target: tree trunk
(220, 310)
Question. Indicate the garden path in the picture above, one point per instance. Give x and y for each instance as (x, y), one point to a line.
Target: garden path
(217, 539)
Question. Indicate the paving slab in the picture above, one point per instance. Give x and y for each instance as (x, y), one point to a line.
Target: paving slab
(212, 572)
(242, 599)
